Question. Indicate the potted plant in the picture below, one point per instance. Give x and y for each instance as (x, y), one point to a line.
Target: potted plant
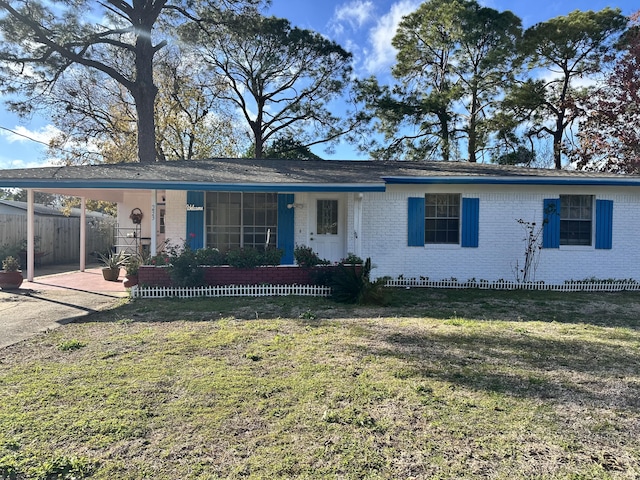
(10, 276)
(131, 271)
(111, 265)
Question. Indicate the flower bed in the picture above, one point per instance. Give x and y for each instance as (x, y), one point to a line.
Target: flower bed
(152, 276)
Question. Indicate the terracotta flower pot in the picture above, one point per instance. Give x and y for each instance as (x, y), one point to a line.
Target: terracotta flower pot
(130, 281)
(10, 280)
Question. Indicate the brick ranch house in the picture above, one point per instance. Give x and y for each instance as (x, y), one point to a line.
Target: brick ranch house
(435, 219)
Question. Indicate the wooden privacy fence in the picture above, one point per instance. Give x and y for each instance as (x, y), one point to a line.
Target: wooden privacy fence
(57, 239)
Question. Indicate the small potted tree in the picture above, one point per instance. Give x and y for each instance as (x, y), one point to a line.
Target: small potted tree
(111, 265)
(131, 271)
(10, 276)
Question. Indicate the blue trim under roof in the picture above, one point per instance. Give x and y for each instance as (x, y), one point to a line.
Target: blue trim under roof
(628, 182)
(198, 186)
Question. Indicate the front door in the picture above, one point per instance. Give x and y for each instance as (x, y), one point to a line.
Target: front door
(327, 227)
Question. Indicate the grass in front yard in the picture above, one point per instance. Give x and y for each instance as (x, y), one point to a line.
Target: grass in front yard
(442, 384)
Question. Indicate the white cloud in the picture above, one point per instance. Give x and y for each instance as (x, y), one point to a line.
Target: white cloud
(20, 163)
(381, 54)
(21, 134)
(355, 13)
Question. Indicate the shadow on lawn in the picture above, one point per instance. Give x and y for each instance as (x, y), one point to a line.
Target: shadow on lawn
(563, 370)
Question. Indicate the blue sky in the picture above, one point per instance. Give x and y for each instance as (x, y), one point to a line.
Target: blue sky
(364, 27)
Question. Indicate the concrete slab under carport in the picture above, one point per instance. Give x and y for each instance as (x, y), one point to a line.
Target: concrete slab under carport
(52, 300)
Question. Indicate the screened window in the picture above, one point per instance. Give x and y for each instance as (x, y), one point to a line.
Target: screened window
(442, 218)
(576, 213)
(235, 220)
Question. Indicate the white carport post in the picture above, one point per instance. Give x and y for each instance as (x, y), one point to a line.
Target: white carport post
(30, 234)
(83, 233)
(153, 233)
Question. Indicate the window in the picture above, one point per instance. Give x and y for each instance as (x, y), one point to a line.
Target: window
(327, 217)
(163, 214)
(236, 220)
(442, 218)
(576, 213)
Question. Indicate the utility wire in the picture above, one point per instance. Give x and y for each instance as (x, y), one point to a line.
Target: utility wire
(23, 135)
(41, 142)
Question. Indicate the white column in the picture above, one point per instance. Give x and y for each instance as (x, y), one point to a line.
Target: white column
(30, 235)
(357, 223)
(83, 233)
(154, 222)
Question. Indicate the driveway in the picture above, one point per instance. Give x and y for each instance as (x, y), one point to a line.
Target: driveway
(53, 300)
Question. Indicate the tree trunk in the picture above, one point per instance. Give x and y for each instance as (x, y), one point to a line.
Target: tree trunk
(557, 141)
(145, 97)
(473, 126)
(444, 134)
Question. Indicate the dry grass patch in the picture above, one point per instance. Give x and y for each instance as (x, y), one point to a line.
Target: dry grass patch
(305, 388)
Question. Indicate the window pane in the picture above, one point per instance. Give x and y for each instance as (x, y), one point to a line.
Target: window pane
(442, 218)
(327, 217)
(241, 220)
(576, 213)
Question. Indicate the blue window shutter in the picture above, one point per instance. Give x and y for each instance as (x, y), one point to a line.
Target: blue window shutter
(416, 222)
(604, 224)
(551, 226)
(470, 222)
(286, 230)
(195, 220)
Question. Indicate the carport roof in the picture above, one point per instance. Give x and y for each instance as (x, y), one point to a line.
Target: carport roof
(292, 175)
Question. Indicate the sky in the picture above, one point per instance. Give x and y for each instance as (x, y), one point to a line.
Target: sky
(363, 27)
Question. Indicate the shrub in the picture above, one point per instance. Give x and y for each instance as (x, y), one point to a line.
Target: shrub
(322, 275)
(244, 258)
(351, 284)
(210, 256)
(251, 258)
(352, 259)
(272, 256)
(10, 264)
(183, 269)
(133, 264)
(306, 257)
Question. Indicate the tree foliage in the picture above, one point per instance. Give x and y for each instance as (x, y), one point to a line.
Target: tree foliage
(454, 58)
(282, 78)
(608, 137)
(570, 48)
(190, 120)
(43, 41)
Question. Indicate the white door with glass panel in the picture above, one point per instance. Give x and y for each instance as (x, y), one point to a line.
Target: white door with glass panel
(327, 227)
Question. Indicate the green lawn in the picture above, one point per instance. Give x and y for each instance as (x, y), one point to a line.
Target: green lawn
(441, 384)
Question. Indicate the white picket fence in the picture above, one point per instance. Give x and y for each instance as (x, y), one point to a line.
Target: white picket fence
(231, 291)
(569, 286)
(321, 291)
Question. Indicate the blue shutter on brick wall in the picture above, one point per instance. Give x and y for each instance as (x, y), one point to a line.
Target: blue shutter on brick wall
(551, 225)
(195, 220)
(286, 230)
(470, 222)
(604, 224)
(416, 222)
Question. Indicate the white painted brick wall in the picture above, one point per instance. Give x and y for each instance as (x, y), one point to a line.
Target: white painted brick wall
(176, 217)
(501, 238)
(131, 200)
